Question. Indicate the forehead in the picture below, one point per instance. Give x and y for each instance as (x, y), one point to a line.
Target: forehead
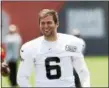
(47, 18)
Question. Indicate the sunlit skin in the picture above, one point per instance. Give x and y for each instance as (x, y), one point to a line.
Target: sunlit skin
(48, 28)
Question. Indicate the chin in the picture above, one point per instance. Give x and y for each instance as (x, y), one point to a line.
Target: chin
(47, 34)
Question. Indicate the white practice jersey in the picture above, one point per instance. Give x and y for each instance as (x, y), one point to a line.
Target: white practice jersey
(53, 62)
(84, 46)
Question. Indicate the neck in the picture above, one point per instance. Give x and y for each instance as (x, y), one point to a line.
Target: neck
(51, 38)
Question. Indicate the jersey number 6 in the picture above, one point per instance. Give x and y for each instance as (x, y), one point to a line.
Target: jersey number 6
(52, 67)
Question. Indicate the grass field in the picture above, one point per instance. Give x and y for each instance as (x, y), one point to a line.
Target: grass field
(98, 67)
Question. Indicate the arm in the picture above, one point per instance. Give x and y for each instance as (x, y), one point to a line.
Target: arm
(80, 65)
(82, 70)
(25, 68)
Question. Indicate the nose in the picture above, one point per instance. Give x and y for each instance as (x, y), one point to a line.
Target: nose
(46, 26)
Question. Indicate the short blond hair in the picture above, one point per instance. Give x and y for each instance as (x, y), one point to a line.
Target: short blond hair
(45, 12)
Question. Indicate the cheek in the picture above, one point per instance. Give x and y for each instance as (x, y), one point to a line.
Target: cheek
(41, 30)
(41, 27)
(52, 26)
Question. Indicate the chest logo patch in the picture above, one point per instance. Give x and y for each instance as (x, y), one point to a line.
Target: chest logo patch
(70, 48)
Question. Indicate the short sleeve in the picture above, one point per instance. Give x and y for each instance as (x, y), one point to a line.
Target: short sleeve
(80, 46)
(25, 52)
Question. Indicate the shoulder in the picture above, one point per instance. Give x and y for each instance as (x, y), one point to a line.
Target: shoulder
(71, 38)
(31, 44)
(73, 41)
(28, 47)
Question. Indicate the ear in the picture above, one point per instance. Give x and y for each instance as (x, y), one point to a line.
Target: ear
(57, 24)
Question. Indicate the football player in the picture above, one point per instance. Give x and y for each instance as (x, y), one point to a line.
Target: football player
(53, 55)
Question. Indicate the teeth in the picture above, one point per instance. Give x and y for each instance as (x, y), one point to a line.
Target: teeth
(46, 30)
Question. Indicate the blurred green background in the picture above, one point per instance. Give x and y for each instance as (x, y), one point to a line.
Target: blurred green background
(98, 67)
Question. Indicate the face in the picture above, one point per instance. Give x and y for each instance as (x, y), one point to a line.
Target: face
(47, 26)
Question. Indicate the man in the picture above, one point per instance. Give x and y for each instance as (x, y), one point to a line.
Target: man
(53, 56)
(12, 43)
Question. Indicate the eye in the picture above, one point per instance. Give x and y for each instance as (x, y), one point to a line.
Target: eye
(49, 22)
(42, 23)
